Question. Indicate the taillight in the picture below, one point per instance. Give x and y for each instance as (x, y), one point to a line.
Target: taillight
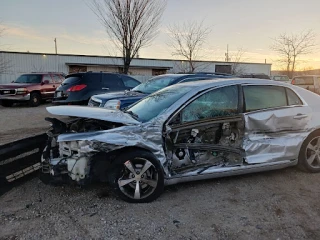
(77, 88)
(292, 82)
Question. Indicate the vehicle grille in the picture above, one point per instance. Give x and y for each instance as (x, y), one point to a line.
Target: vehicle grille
(93, 103)
(7, 91)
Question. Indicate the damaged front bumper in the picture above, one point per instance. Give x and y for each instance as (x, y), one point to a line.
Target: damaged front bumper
(67, 161)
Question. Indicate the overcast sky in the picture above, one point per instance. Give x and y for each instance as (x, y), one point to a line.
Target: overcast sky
(32, 25)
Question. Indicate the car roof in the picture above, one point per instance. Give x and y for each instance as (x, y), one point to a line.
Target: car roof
(177, 75)
(40, 73)
(215, 82)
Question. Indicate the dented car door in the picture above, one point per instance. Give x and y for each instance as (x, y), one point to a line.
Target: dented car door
(207, 132)
(275, 123)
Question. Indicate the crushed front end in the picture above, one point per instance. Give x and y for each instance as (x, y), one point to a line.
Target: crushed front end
(70, 161)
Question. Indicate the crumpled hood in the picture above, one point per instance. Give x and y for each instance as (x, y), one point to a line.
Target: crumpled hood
(15, 85)
(109, 115)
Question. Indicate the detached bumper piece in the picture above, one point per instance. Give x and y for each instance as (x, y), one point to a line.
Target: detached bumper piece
(20, 158)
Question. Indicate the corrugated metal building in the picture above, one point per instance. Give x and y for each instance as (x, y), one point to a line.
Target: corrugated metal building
(18, 63)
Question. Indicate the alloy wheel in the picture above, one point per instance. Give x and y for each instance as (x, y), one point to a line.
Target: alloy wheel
(139, 178)
(313, 153)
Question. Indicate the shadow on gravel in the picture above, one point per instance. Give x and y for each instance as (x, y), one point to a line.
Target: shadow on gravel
(6, 187)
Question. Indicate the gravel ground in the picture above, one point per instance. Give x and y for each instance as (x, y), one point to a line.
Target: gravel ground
(281, 204)
(22, 121)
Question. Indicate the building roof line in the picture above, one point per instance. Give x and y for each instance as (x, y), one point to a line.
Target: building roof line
(115, 57)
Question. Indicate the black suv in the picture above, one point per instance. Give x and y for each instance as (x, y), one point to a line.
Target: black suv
(77, 88)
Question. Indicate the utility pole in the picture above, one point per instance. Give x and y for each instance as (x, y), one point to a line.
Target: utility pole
(55, 44)
(227, 53)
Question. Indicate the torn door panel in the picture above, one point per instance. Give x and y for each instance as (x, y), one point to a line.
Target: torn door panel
(274, 121)
(275, 135)
(202, 145)
(262, 148)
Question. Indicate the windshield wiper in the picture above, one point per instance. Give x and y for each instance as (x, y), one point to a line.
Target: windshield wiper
(133, 115)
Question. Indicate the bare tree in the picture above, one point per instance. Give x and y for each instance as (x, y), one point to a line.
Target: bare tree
(236, 58)
(186, 40)
(130, 24)
(290, 47)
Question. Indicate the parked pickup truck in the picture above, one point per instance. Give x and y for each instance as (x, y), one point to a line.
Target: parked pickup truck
(32, 88)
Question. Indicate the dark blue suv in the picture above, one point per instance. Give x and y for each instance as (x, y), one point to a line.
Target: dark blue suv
(122, 99)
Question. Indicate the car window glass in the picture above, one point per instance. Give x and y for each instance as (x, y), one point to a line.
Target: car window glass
(156, 103)
(71, 80)
(193, 79)
(304, 80)
(263, 97)
(111, 81)
(29, 78)
(47, 78)
(129, 82)
(216, 103)
(293, 99)
(56, 78)
(280, 78)
(156, 83)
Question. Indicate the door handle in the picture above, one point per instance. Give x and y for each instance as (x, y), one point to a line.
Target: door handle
(105, 88)
(300, 116)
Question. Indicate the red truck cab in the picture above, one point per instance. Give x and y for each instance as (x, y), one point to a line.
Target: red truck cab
(32, 88)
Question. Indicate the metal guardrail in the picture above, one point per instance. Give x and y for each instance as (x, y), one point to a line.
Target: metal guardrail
(20, 158)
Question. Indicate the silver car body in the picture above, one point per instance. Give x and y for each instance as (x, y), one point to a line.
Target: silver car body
(267, 139)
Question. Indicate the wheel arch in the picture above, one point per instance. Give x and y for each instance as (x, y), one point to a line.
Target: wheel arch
(303, 162)
(104, 162)
(36, 91)
(317, 130)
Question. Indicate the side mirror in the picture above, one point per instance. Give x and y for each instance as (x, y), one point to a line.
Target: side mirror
(12, 81)
(45, 82)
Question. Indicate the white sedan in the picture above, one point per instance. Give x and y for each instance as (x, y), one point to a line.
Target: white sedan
(186, 132)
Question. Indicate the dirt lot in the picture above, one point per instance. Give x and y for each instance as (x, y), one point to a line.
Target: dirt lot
(21, 121)
(281, 204)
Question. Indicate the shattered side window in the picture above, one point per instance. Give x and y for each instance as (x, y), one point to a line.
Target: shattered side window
(264, 97)
(216, 103)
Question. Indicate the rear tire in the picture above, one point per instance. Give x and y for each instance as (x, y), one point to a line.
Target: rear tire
(6, 103)
(309, 156)
(35, 100)
(137, 177)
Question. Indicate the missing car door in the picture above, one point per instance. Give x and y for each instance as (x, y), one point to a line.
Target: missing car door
(207, 132)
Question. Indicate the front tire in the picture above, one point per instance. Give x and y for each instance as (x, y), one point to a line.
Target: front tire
(137, 177)
(309, 156)
(35, 100)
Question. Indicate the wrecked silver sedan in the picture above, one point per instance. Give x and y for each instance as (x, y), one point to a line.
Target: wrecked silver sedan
(186, 132)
